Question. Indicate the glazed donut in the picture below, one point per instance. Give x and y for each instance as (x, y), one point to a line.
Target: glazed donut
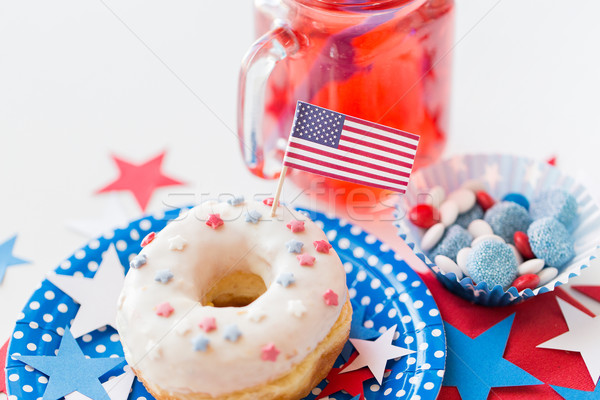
(228, 303)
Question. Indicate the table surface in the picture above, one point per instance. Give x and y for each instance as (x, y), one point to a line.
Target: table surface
(80, 81)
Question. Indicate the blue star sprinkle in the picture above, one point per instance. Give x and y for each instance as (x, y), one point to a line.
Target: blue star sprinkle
(232, 333)
(572, 394)
(475, 366)
(236, 200)
(358, 330)
(163, 276)
(285, 279)
(294, 246)
(6, 257)
(252, 216)
(200, 343)
(70, 371)
(138, 261)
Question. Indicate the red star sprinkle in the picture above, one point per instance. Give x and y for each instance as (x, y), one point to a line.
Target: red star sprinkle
(3, 351)
(296, 226)
(208, 324)
(306, 260)
(214, 221)
(330, 297)
(322, 246)
(148, 239)
(164, 310)
(269, 352)
(141, 180)
(269, 202)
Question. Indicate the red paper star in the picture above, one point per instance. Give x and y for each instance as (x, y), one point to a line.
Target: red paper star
(350, 382)
(214, 221)
(330, 297)
(306, 260)
(148, 239)
(164, 310)
(3, 351)
(296, 226)
(269, 353)
(208, 324)
(322, 246)
(141, 180)
(592, 292)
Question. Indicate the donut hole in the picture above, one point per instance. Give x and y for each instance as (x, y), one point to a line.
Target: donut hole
(237, 289)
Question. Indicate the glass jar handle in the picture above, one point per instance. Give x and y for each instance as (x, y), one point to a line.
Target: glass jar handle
(256, 68)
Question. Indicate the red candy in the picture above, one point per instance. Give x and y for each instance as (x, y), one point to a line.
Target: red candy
(148, 239)
(527, 281)
(424, 216)
(522, 244)
(485, 200)
(269, 201)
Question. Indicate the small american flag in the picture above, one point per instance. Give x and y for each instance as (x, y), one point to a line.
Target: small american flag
(338, 146)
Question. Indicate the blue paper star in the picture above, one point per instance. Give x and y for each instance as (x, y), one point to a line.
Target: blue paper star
(200, 342)
(6, 257)
(70, 371)
(236, 200)
(475, 366)
(163, 276)
(358, 330)
(572, 394)
(253, 216)
(285, 279)
(294, 246)
(232, 333)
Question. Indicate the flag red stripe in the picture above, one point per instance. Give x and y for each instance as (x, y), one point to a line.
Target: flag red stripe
(377, 136)
(346, 169)
(375, 156)
(348, 159)
(378, 147)
(341, 178)
(382, 127)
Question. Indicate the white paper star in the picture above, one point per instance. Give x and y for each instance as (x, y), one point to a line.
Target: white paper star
(113, 216)
(582, 337)
(458, 164)
(98, 297)
(492, 175)
(296, 308)
(375, 354)
(177, 243)
(533, 174)
(118, 388)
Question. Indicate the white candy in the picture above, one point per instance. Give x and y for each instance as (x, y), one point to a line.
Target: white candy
(518, 255)
(480, 228)
(473, 185)
(436, 196)
(447, 265)
(461, 259)
(532, 267)
(547, 274)
(448, 212)
(432, 236)
(464, 198)
(486, 237)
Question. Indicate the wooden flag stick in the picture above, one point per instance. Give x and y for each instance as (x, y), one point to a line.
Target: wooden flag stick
(278, 191)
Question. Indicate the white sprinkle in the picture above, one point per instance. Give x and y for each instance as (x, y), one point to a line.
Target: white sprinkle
(479, 228)
(486, 237)
(447, 265)
(531, 266)
(449, 212)
(547, 274)
(432, 236)
(464, 199)
(461, 259)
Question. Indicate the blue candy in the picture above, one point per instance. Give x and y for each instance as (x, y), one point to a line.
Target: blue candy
(494, 263)
(464, 219)
(550, 241)
(517, 198)
(506, 218)
(555, 203)
(455, 238)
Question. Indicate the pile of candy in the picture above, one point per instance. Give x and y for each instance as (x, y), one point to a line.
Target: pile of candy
(506, 243)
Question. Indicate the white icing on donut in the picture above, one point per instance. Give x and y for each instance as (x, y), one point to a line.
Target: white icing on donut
(278, 330)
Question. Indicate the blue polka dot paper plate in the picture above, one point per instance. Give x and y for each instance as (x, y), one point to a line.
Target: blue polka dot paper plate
(380, 283)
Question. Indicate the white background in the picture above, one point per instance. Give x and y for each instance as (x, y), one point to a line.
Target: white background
(80, 80)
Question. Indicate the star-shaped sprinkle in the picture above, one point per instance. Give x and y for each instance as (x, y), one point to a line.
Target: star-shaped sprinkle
(200, 342)
(208, 324)
(164, 309)
(177, 243)
(471, 373)
(163, 275)
(138, 261)
(214, 221)
(252, 216)
(294, 246)
(256, 314)
(236, 200)
(306, 260)
(322, 246)
(492, 175)
(141, 180)
(118, 388)
(375, 354)
(296, 226)
(71, 371)
(269, 352)
(330, 297)
(572, 394)
(98, 297)
(296, 308)
(358, 330)
(148, 239)
(232, 333)
(3, 351)
(582, 337)
(6, 256)
(285, 279)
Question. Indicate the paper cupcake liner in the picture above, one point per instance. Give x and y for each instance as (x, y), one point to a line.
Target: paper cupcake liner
(502, 174)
